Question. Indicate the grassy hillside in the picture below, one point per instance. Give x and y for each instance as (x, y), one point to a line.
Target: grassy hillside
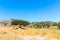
(8, 33)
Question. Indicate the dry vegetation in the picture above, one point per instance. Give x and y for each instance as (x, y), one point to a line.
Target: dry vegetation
(8, 33)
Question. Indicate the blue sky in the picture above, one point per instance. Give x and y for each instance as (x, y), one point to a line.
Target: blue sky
(30, 10)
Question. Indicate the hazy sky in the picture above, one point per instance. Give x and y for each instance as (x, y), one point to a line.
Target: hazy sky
(30, 10)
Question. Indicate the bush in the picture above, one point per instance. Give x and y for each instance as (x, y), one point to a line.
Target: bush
(38, 27)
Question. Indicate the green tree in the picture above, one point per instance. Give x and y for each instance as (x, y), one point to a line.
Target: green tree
(20, 22)
(58, 25)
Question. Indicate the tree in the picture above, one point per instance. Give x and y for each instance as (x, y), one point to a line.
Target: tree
(20, 22)
(58, 25)
(55, 24)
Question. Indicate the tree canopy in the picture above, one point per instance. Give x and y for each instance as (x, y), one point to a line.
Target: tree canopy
(38, 24)
(20, 22)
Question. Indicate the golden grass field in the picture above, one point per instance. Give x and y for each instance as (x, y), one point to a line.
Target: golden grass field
(9, 33)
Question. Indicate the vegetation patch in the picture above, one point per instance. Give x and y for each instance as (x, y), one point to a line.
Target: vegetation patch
(1, 32)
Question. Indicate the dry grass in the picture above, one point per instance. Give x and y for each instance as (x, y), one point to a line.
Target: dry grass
(8, 33)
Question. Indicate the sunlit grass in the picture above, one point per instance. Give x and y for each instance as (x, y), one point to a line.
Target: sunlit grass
(19, 33)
